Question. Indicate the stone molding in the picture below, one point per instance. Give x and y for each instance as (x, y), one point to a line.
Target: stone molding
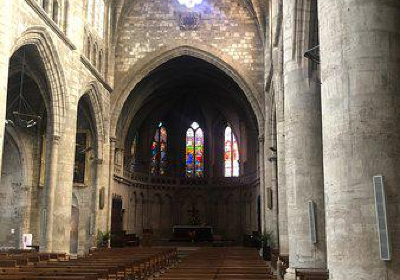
(44, 16)
(96, 73)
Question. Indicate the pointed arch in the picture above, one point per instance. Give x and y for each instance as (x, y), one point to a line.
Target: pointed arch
(194, 151)
(88, 48)
(94, 54)
(159, 147)
(207, 53)
(231, 155)
(41, 40)
(56, 12)
(92, 91)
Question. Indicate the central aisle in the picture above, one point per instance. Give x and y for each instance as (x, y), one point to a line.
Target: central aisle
(219, 263)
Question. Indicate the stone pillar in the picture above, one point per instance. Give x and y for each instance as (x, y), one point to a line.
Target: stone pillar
(281, 165)
(271, 187)
(277, 60)
(5, 45)
(111, 181)
(261, 143)
(360, 53)
(303, 146)
(51, 183)
(96, 200)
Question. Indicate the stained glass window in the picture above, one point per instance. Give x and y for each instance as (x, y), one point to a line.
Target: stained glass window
(231, 154)
(190, 3)
(133, 153)
(134, 146)
(159, 151)
(194, 151)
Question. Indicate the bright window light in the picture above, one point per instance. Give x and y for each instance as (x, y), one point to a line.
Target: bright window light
(190, 3)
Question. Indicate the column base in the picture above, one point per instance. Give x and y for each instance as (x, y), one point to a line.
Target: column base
(290, 274)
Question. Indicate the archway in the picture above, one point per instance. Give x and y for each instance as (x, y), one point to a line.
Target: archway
(146, 66)
(186, 94)
(88, 152)
(25, 158)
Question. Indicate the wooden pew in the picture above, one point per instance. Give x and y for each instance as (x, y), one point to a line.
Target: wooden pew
(221, 263)
(99, 265)
(312, 274)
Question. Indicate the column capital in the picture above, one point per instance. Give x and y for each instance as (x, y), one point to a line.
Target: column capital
(99, 161)
(55, 139)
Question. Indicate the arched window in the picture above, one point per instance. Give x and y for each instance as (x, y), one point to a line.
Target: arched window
(133, 153)
(194, 151)
(55, 11)
(96, 13)
(133, 150)
(45, 5)
(100, 25)
(159, 151)
(94, 55)
(231, 154)
(100, 62)
(66, 14)
(90, 11)
(88, 47)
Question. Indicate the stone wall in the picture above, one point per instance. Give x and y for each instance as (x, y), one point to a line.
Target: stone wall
(224, 28)
(232, 213)
(68, 77)
(303, 140)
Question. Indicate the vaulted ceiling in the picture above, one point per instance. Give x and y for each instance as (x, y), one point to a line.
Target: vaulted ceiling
(257, 7)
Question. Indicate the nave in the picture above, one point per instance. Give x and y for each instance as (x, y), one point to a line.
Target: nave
(220, 263)
(149, 263)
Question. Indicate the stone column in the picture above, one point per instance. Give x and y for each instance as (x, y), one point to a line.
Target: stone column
(271, 187)
(281, 166)
(303, 146)
(51, 183)
(96, 200)
(360, 54)
(5, 45)
(261, 143)
(111, 180)
(277, 60)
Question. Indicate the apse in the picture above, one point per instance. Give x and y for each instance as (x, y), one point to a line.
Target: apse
(189, 129)
(182, 92)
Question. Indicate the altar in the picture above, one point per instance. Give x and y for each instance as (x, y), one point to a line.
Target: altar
(196, 233)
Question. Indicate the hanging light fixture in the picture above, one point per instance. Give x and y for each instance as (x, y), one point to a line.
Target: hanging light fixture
(24, 116)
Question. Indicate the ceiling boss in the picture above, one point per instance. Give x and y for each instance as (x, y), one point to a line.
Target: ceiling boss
(190, 3)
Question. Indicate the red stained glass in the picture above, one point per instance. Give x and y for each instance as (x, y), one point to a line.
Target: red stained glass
(159, 151)
(194, 151)
(231, 155)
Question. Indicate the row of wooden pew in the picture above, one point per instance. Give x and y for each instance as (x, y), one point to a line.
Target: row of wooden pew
(220, 263)
(107, 264)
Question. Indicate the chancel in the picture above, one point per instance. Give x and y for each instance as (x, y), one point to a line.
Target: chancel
(195, 230)
(194, 219)
(188, 139)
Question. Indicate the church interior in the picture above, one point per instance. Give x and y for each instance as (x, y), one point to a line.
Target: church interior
(200, 139)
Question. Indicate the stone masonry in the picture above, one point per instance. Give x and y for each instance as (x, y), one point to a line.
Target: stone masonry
(334, 121)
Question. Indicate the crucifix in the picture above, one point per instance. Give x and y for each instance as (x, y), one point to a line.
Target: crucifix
(194, 219)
